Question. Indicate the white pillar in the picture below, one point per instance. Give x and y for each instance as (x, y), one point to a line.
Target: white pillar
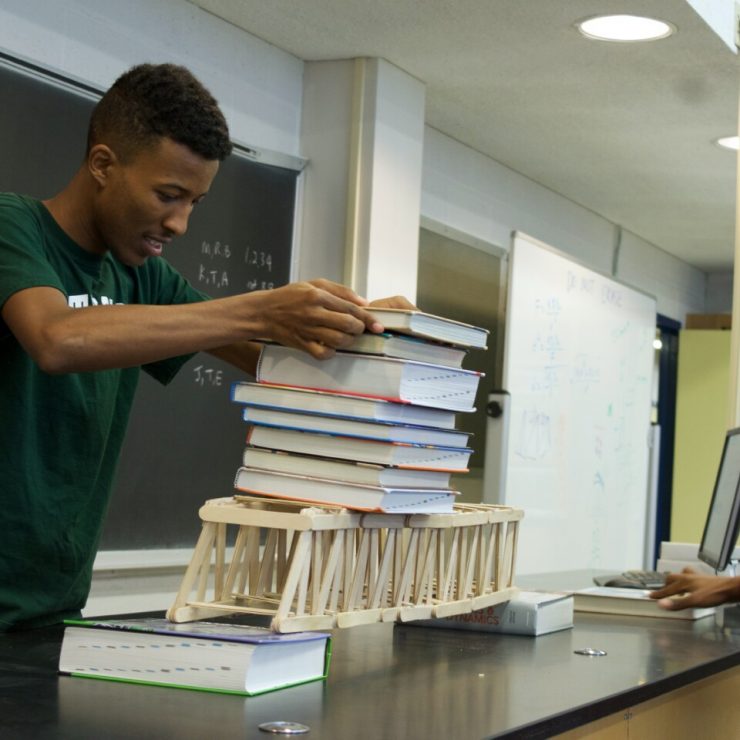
(362, 133)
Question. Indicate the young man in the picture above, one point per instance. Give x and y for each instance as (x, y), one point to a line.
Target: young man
(86, 301)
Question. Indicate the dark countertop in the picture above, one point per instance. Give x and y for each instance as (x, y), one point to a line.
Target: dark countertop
(385, 681)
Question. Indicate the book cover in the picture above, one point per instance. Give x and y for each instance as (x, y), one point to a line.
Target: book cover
(429, 326)
(529, 613)
(371, 375)
(340, 405)
(629, 602)
(207, 656)
(353, 496)
(405, 433)
(452, 459)
(408, 348)
(341, 470)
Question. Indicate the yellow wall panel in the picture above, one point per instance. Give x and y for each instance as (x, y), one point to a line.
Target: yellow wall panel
(701, 422)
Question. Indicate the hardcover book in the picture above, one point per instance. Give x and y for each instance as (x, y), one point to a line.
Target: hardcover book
(433, 327)
(340, 470)
(407, 348)
(351, 428)
(347, 495)
(453, 459)
(630, 602)
(340, 405)
(528, 613)
(236, 659)
(371, 375)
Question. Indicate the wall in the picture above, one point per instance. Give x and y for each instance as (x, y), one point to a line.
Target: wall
(719, 292)
(477, 196)
(464, 194)
(701, 416)
(258, 86)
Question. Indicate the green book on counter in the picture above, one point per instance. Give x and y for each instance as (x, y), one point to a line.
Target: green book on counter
(208, 656)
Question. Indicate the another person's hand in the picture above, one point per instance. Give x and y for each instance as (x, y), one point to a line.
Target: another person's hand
(690, 589)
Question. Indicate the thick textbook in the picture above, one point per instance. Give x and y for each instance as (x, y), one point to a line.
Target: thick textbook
(347, 495)
(341, 470)
(371, 375)
(631, 602)
(408, 348)
(528, 613)
(340, 405)
(197, 655)
(454, 459)
(351, 428)
(433, 327)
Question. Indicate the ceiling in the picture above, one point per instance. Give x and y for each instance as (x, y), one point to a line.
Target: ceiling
(625, 130)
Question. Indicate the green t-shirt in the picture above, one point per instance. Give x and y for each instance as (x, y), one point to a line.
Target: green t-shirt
(60, 435)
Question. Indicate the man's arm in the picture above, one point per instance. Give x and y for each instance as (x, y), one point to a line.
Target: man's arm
(696, 590)
(317, 317)
(244, 355)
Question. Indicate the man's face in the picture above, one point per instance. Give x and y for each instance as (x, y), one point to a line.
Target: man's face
(147, 201)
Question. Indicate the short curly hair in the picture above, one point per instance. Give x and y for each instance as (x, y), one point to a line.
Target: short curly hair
(151, 101)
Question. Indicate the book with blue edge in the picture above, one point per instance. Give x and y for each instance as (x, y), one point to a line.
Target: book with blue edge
(339, 405)
(404, 455)
(207, 656)
(405, 433)
(407, 348)
(428, 326)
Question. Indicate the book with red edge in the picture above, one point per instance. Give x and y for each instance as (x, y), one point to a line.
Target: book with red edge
(353, 496)
(344, 470)
(372, 376)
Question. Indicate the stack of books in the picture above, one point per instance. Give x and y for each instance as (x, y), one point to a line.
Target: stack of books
(372, 428)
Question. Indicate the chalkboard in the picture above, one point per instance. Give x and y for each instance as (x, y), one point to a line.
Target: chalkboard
(578, 363)
(185, 440)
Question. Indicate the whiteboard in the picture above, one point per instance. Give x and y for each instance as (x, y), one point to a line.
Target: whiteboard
(578, 363)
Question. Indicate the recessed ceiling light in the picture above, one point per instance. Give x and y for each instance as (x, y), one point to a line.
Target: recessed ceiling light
(728, 142)
(625, 28)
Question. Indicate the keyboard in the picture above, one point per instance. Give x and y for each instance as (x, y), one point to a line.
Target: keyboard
(644, 579)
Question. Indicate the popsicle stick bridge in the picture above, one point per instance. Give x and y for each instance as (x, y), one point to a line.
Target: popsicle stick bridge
(312, 568)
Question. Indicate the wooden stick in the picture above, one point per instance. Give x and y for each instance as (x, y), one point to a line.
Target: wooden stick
(358, 581)
(264, 579)
(202, 550)
(378, 595)
(218, 577)
(302, 547)
(330, 570)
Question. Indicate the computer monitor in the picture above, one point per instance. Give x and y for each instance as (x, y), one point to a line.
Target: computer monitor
(723, 518)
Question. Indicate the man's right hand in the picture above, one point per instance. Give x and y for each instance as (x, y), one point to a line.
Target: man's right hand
(318, 316)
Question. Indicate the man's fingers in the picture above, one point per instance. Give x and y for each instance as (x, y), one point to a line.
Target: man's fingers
(674, 604)
(340, 291)
(345, 310)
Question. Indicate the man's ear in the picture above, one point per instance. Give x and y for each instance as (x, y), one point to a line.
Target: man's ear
(101, 160)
